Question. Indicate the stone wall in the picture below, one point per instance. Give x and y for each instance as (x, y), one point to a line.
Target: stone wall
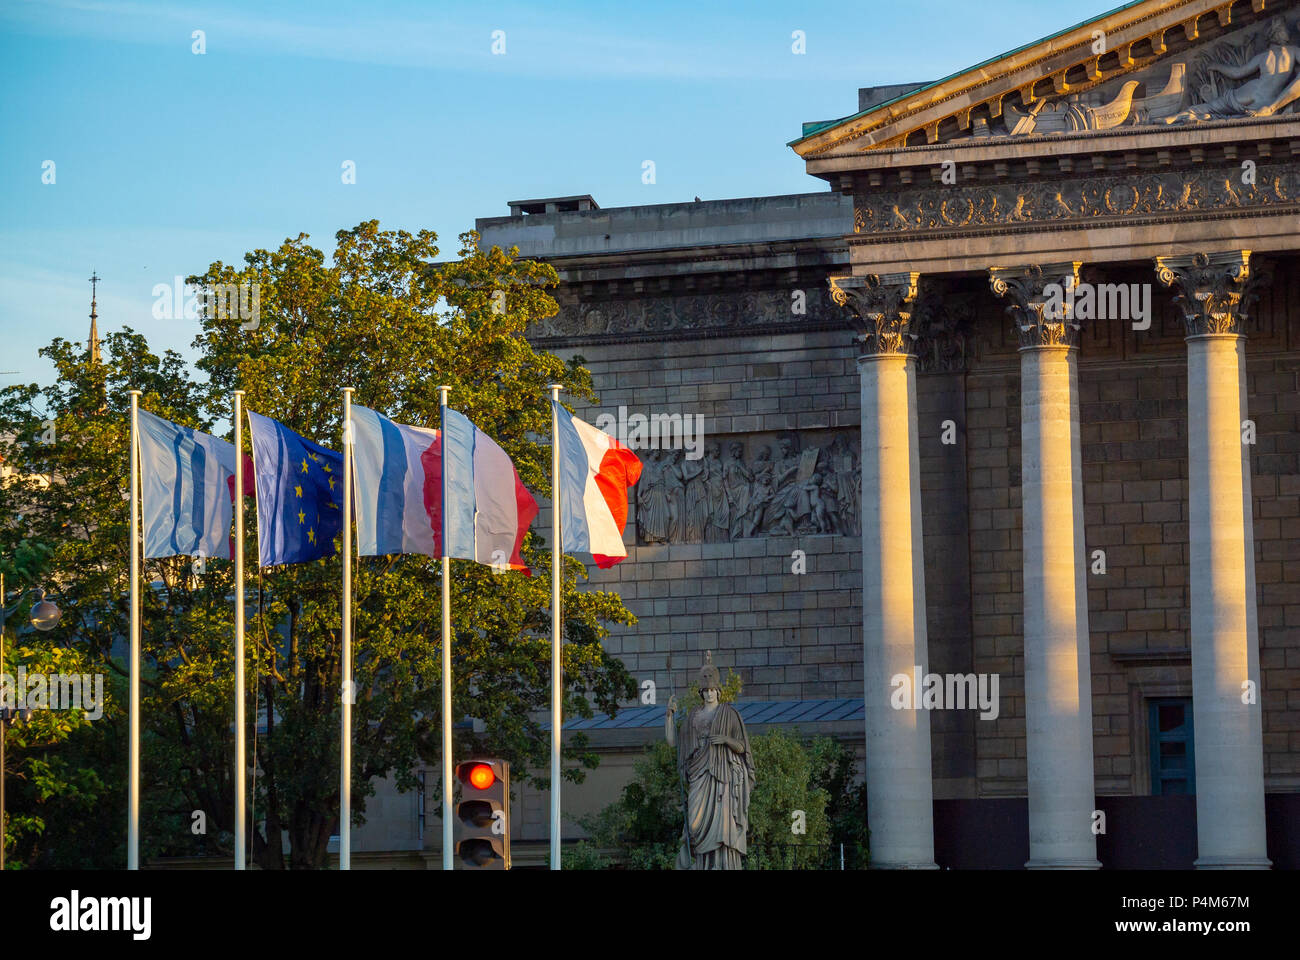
(790, 635)
(798, 636)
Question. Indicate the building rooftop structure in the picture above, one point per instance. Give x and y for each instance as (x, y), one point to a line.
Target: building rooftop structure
(577, 226)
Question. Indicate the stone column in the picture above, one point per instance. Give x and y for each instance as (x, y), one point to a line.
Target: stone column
(1213, 292)
(1058, 677)
(899, 791)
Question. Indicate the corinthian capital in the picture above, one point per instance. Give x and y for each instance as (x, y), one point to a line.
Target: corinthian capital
(881, 306)
(1213, 290)
(1041, 301)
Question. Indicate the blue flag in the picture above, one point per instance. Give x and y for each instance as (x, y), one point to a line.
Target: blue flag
(299, 494)
(184, 490)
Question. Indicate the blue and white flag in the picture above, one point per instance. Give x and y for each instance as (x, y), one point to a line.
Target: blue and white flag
(399, 473)
(185, 483)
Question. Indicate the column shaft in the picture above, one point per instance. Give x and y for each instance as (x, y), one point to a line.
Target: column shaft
(1058, 687)
(899, 793)
(1213, 292)
(1224, 634)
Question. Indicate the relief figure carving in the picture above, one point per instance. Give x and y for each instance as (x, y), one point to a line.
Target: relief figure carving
(1273, 84)
(711, 500)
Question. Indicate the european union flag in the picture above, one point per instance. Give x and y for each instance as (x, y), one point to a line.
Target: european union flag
(299, 494)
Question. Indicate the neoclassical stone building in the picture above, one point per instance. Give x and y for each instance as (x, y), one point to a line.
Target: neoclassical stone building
(1157, 138)
(1015, 399)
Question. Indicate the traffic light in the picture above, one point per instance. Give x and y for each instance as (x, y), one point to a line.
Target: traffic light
(483, 815)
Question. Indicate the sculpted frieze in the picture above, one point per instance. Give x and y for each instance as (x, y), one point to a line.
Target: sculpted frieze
(950, 207)
(757, 485)
(716, 310)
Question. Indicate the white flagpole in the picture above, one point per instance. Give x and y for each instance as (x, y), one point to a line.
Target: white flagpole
(556, 677)
(447, 840)
(348, 694)
(133, 764)
(240, 799)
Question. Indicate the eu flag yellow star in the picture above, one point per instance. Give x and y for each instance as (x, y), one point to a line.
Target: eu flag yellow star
(291, 509)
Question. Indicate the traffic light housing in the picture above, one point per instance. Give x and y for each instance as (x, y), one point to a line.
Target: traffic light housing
(482, 824)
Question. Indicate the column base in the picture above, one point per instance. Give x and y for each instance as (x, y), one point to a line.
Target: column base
(902, 865)
(1063, 865)
(1232, 863)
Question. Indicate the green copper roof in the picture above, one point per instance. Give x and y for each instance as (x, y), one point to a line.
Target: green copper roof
(812, 128)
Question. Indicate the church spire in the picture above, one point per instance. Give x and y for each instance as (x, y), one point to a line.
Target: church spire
(92, 345)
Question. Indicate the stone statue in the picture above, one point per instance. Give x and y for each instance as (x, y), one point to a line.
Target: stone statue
(790, 502)
(716, 764)
(695, 513)
(760, 491)
(736, 481)
(674, 479)
(848, 483)
(652, 499)
(717, 527)
(1274, 83)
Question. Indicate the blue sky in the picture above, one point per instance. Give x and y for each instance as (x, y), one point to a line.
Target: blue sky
(166, 160)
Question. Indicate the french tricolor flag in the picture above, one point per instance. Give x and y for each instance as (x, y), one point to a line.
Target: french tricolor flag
(399, 470)
(595, 472)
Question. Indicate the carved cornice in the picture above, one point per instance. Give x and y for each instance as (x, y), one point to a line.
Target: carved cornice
(1061, 200)
(1037, 301)
(1213, 291)
(881, 307)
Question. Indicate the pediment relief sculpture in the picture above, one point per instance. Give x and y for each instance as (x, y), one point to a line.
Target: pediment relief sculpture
(1251, 73)
(1259, 85)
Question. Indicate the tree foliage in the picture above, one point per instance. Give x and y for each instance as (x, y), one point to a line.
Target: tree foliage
(384, 317)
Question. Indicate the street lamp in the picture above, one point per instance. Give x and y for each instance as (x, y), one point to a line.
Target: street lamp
(45, 616)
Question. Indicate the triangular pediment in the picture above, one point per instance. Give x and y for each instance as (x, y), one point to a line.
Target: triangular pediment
(1157, 62)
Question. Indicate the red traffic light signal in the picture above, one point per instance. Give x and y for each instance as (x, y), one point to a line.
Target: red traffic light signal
(482, 815)
(479, 776)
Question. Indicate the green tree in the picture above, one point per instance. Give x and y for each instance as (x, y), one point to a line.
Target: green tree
(788, 828)
(382, 316)
(69, 496)
(58, 793)
(834, 770)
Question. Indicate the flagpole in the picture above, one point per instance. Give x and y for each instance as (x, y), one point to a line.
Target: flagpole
(133, 764)
(556, 678)
(240, 798)
(348, 693)
(447, 840)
